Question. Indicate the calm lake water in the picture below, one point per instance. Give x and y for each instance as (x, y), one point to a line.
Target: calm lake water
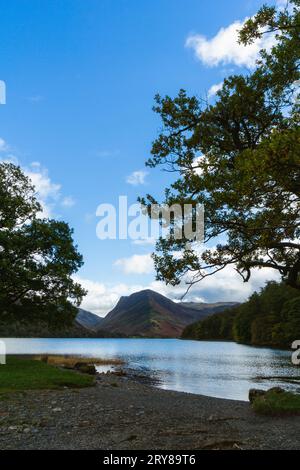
(218, 369)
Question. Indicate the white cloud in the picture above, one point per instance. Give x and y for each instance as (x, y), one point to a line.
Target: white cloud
(137, 177)
(136, 264)
(35, 98)
(282, 3)
(145, 241)
(197, 161)
(3, 145)
(42, 182)
(101, 298)
(224, 49)
(107, 153)
(226, 285)
(214, 89)
(68, 201)
(48, 193)
(89, 217)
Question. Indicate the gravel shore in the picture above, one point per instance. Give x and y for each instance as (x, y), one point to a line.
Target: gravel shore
(119, 413)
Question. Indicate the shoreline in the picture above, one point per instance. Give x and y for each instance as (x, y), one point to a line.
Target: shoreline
(117, 362)
(122, 413)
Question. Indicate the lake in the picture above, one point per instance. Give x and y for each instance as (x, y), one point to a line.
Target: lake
(218, 369)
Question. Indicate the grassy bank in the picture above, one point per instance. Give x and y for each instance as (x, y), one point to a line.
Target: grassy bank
(277, 404)
(26, 374)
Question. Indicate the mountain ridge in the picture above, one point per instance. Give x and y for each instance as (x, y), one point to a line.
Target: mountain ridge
(149, 314)
(88, 320)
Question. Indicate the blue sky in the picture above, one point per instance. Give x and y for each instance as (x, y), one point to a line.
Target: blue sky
(81, 76)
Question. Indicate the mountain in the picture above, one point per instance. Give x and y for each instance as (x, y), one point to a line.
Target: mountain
(209, 308)
(145, 314)
(85, 325)
(149, 314)
(88, 320)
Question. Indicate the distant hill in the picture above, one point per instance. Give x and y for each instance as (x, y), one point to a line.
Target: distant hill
(40, 329)
(88, 320)
(207, 308)
(85, 325)
(88, 324)
(149, 314)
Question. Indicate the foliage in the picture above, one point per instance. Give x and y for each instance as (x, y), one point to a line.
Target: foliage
(277, 404)
(216, 327)
(240, 157)
(268, 318)
(37, 257)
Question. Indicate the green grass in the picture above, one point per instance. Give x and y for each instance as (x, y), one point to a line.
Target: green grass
(26, 374)
(277, 404)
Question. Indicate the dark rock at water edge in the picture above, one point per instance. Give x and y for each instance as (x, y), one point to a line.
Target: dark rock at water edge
(85, 368)
(255, 393)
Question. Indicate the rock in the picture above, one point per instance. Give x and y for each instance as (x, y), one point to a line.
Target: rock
(26, 430)
(85, 368)
(119, 373)
(276, 390)
(255, 393)
(56, 410)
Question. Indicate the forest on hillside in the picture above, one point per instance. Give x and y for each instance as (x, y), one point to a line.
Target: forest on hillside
(269, 318)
